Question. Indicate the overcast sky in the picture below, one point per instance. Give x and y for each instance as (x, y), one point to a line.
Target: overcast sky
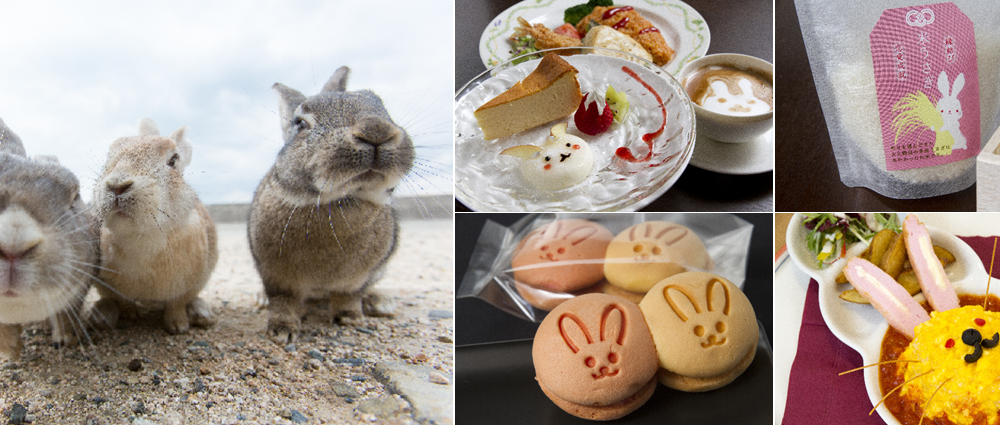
(74, 76)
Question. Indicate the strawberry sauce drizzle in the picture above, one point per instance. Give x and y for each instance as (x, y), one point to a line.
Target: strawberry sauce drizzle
(623, 152)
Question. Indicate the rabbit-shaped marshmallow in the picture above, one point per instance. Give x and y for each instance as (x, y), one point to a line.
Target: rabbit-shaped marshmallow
(594, 350)
(48, 247)
(158, 243)
(563, 161)
(320, 224)
(951, 108)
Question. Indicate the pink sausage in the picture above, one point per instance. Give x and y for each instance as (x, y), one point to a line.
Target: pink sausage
(888, 297)
(930, 273)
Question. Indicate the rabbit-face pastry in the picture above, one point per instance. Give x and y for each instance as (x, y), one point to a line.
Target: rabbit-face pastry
(594, 350)
(649, 252)
(320, 224)
(704, 328)
(158, 242)
(48, 247)
(951, 108)
(562, 256)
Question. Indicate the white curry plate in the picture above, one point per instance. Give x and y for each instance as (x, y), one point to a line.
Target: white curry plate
(682, 27)
(859, 325)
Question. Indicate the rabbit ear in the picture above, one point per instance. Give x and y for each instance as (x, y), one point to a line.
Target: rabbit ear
(959, 84)
(684, 304)
(147, 127)
(289, 100)
(580, 234)
(942, 84)
(9, 142)
(718, 296)
(184, 148)
(337, 82)
(677, 233)
(573, 335)
(613, 325)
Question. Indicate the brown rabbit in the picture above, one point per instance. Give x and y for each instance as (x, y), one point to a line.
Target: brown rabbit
(158, 243)
(48, 247)
(321, 226)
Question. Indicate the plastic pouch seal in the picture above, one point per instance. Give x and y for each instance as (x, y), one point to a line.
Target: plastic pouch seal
(497, 272)
(839, 47)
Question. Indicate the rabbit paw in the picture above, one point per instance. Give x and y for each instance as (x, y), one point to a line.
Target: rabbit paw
(376, 304)
(346, 308)
(105, 314)
(200, 313)
(64, 330)
(282, 332)
(10, 341)
(175, 317)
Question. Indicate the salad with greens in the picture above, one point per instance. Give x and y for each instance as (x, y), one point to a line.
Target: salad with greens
(831, 233)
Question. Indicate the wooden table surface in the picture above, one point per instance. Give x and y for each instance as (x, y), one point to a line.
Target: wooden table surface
(735, 27)
(806, 175)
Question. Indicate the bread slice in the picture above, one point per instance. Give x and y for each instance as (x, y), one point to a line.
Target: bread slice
(550, 92)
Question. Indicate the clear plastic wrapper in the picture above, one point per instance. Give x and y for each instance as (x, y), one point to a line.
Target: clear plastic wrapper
(840, 56)
(491, 276)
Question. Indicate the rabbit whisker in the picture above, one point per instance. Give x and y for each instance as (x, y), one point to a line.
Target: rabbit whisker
(281, 245)
(83, 263)
(329, 215)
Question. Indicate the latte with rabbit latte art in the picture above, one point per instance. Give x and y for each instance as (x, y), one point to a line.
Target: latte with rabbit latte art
(731, 91)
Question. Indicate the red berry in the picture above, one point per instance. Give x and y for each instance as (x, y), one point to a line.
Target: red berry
(949, 344)
(590, 120)
(980, 322)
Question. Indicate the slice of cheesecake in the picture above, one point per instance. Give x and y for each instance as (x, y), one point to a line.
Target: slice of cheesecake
(550, 92)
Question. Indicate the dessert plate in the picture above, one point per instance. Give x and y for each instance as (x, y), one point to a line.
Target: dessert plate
(859, 325)
(488, 181)
(682, 27)
(735, 158)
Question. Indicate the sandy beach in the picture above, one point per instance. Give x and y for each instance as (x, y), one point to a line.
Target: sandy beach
(376, 370)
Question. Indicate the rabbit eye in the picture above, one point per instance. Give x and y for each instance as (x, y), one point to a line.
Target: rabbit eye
(637, 248)
(698, 330)
(545, 248)
(301, 123)
(590, 362)
(173, 160)
(657, 250)
(561, 250)
(613, 357)
(721, 327)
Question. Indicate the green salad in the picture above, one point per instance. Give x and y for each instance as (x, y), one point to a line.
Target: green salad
(831, 233)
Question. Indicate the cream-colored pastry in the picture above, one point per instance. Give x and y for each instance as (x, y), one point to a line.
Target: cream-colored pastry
(642, 255)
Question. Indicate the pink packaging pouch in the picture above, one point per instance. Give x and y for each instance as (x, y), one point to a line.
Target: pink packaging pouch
(927, 85)
(843, 42)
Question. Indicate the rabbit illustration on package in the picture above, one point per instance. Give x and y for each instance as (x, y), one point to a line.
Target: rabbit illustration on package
(158, 242)
(48, 247)
(321, 226)
(916, 112)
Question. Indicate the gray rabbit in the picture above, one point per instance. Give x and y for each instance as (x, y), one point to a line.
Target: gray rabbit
(321, 226)
(48, 246)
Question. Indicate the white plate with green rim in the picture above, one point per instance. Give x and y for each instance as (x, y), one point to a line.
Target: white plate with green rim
(683, 27)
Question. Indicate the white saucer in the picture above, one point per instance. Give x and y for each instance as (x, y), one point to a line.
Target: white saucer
(735, 158)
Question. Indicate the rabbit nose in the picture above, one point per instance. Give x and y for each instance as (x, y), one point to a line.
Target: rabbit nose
(119, 188)
(374, 130)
